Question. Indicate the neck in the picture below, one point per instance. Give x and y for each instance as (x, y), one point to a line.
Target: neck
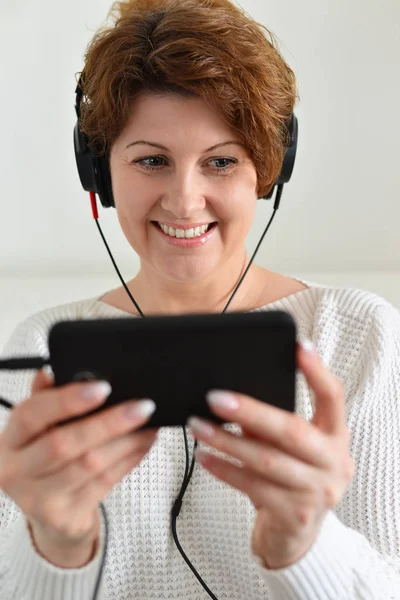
(157, 295)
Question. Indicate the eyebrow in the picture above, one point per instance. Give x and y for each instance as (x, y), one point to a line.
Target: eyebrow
(165, 148)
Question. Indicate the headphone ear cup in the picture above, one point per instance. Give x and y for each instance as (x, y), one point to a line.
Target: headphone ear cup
(289, 158)
(84, 161)
(103, 180)
(290, 155)
(94, 171)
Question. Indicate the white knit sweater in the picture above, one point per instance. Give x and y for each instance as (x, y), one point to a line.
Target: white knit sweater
(357, 553)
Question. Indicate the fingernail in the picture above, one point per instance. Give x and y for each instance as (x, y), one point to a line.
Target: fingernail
(222, 399)
(49, 375)
(307, 345)
(200, 427)
(98, 390)
(141, 409)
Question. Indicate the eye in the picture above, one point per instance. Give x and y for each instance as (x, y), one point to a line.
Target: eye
(149, 167)
(231, 161)
(140, 162)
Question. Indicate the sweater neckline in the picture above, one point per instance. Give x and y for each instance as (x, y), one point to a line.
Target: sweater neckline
(299, 303)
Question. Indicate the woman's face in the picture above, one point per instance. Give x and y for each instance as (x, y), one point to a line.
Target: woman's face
(165, 170)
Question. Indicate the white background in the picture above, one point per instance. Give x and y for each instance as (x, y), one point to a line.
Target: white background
(340, 214)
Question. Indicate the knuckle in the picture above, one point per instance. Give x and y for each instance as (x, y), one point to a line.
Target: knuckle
(304, 515)
(331, 495)
(92, 461)
(57, 445)
(266, 461)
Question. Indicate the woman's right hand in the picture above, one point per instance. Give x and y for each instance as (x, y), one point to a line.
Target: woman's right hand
(58, 475)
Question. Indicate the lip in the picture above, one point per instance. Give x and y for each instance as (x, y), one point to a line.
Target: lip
(187, 242)
(192, 226)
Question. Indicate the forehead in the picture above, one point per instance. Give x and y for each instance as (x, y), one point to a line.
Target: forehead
(175, 120)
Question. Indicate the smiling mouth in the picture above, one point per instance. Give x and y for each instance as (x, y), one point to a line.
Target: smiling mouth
(185, 233)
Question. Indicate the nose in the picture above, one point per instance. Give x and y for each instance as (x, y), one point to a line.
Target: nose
(184, 194)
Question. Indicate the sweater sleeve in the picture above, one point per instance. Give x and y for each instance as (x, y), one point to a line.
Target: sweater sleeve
(24, 574)
(357, 552)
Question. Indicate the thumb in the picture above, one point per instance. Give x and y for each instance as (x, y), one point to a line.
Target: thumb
(42, 381)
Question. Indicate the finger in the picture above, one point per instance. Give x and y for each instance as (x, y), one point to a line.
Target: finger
(41, 381)
(261, 493)
(88, 467)
(94, 492)
(264, 460)
(329, 415)
(35, 496)
(64, 444)
(47, 407)
(250, 434)
(94, 457)
(280, 428)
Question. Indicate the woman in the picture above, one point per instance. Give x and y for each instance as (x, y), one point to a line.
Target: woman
(190, 100)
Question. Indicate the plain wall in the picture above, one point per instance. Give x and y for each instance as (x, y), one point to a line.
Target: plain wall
(339, 215)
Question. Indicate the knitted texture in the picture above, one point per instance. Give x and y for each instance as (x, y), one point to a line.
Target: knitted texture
(357, 552)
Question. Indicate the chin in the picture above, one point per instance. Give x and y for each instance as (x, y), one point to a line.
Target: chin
(187, 271)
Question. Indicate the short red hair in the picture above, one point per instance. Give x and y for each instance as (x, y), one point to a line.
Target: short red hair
(208, 48)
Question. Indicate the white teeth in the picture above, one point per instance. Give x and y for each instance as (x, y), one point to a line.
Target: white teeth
(184, 233)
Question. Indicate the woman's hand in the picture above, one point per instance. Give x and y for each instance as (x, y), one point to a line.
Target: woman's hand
(58, 474)
(293, 471)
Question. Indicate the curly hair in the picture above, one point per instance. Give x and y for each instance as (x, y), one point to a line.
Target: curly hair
(206, 48)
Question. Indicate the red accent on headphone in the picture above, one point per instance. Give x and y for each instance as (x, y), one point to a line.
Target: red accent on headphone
(94, 205)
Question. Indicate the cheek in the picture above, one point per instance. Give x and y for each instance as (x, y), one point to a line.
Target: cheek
(241, 198)
(134, 230)
(239, 210)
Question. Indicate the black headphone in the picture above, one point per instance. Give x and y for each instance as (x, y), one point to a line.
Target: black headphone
(94, 171)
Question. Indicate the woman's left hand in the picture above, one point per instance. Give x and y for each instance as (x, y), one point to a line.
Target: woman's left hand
(293, 471)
